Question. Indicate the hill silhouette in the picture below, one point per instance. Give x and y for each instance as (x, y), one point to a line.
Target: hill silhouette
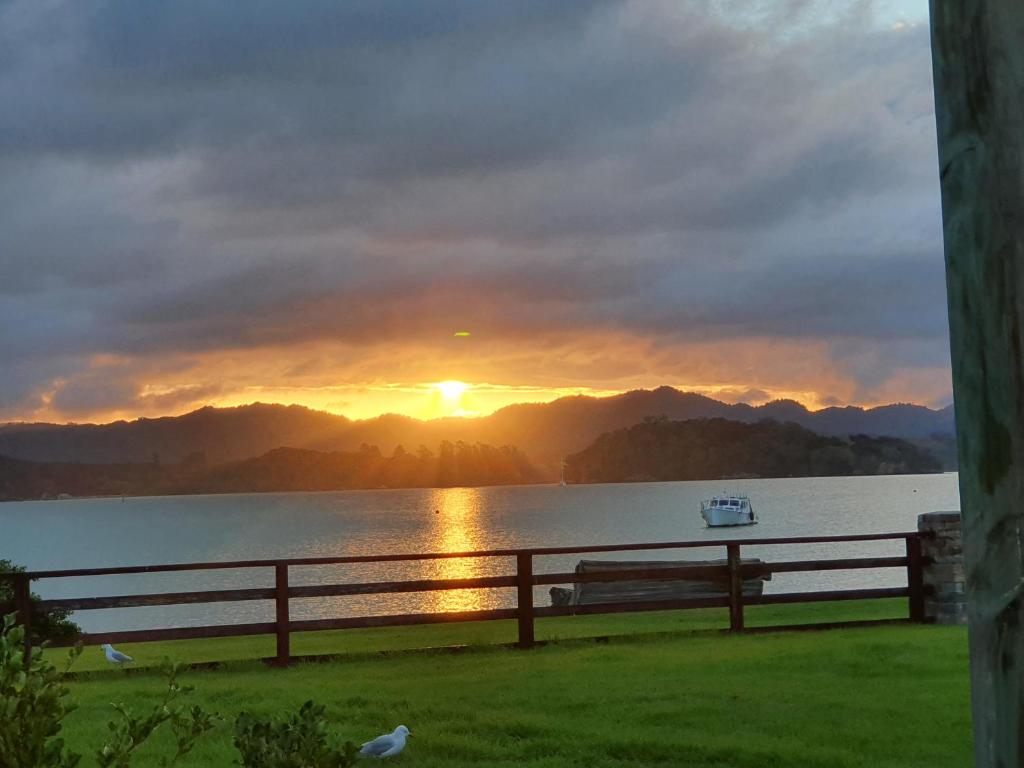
(545, 431)
(282, 469)
(713, 449)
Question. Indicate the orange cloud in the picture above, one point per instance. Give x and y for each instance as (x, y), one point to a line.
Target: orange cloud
(365, 381)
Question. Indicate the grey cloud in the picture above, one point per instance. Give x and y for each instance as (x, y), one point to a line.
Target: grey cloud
(94, 391)
(832, 296)
(150, 77)
(195, 176)
(24, 382)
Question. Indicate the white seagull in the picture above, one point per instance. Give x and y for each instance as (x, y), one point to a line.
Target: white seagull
(387, 745)
(115, 657)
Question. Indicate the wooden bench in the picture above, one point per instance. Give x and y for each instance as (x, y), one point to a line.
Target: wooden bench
(649, 590)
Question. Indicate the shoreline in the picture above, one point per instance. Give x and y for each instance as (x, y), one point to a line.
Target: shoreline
(554, 483)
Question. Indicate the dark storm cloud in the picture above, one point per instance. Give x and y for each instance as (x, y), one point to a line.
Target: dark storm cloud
(844, 295)
(190, 176)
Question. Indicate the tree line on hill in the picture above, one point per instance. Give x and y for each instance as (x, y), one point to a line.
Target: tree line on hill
(282, 469)
(297, 469)
(710, 449)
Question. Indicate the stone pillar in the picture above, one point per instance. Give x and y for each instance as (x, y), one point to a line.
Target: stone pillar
(942, 547)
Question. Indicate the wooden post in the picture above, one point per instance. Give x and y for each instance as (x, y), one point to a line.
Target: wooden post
(23, 607)
(524, 588)
(978, 63)
(735, 588)
(915, 579)
(281, 602)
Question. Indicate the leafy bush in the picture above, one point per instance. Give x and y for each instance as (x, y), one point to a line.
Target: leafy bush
(53, 625)
(298, 741)
(32, 706)
(130, 732)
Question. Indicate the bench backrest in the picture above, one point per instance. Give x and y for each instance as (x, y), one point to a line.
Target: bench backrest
(649, 590)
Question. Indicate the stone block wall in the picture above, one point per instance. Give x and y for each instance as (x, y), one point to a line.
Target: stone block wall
(943, 544)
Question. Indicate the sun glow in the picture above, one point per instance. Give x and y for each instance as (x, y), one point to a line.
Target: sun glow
(451, 390)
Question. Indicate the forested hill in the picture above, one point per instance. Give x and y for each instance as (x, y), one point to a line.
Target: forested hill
(546, 431)
(295, 469)
(713, 449)
(283, 469)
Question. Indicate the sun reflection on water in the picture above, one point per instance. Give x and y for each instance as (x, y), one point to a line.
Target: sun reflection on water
(456, 528)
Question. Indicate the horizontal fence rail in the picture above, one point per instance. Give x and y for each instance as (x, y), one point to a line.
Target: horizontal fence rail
(730, 575)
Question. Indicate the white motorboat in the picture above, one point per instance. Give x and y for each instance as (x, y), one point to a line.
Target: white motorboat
(727, 510)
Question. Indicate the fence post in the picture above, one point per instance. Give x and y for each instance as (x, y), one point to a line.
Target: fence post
(915, 579)
(735, 588)
(23, 607)
(524, 587)
(281, 601)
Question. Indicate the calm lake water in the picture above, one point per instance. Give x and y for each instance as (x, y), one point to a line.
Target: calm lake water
(141, 531)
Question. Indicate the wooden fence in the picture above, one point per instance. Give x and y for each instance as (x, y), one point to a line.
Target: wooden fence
(731, 575)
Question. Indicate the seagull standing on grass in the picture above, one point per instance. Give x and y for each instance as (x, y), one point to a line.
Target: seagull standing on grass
(115, 657)
(387, 745)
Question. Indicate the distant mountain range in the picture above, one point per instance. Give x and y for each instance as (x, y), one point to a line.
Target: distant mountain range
(545, 432)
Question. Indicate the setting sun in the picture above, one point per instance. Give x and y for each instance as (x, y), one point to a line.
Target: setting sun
(451, 390)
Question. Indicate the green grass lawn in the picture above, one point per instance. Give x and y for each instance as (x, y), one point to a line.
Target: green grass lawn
(371, 641)
(882, 696)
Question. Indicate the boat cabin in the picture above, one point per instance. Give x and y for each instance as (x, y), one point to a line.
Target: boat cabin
(731, 502)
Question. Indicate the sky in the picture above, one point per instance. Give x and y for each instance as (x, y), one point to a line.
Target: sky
(344, 204)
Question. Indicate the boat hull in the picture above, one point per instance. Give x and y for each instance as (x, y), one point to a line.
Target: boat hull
(717, 517)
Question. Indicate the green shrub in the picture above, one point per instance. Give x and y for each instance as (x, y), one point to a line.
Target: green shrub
(53, 625)
(298, 741)
(130, 732)
(32, 705)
